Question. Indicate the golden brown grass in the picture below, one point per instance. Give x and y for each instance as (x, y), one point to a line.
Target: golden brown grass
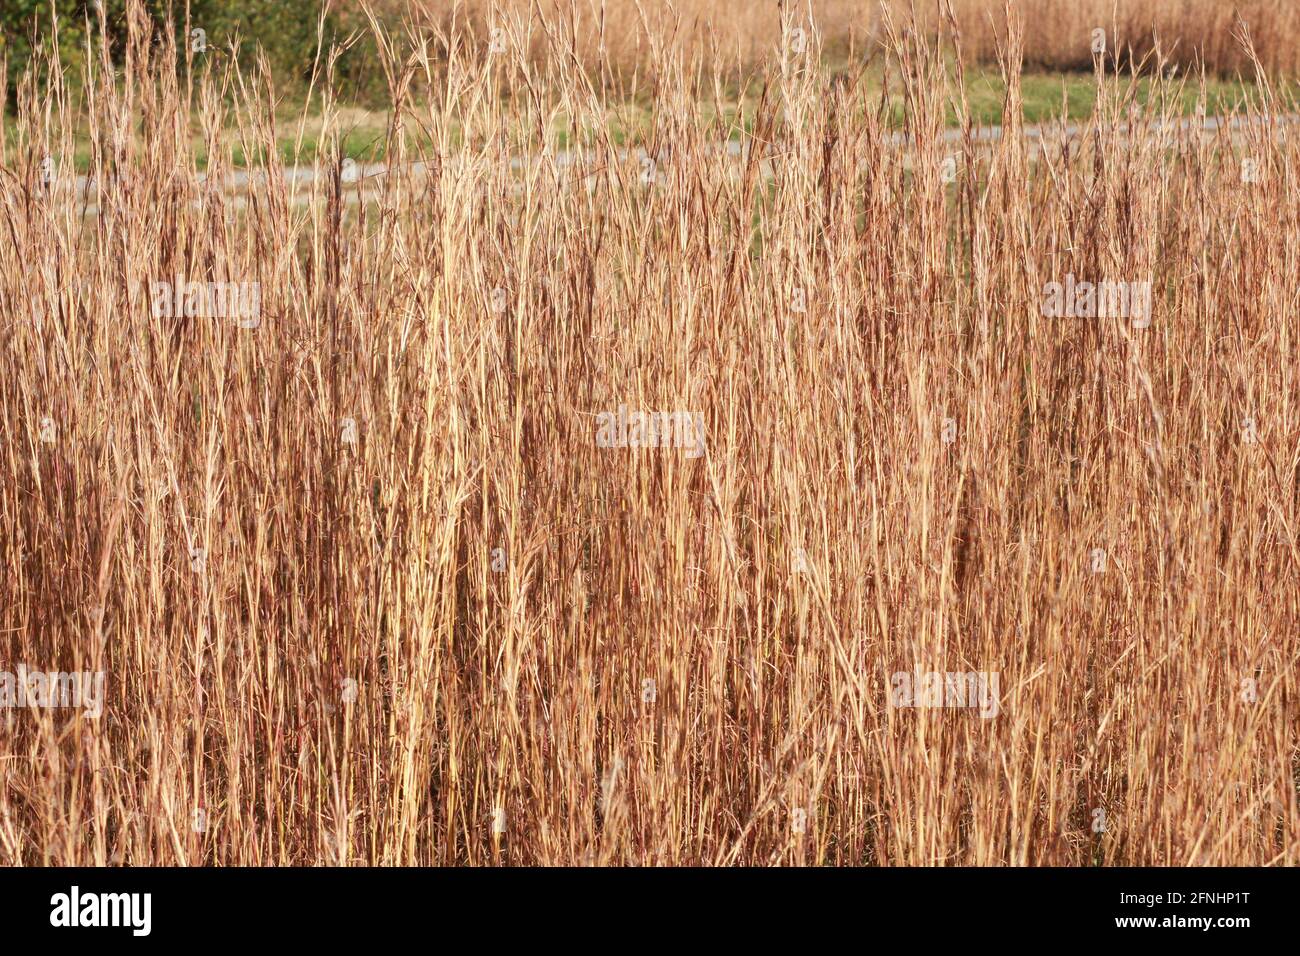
(352, 672)
(1056, 35)
(1187, 33)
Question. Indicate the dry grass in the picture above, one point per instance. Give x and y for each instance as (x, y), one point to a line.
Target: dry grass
(351, 672)
(731, 33)
(1188, 33)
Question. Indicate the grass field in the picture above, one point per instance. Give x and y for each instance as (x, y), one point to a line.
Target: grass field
(736, 34)
(840, 503)
(363, 129)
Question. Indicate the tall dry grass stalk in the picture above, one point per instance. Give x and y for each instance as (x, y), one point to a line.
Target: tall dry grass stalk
(366, 589)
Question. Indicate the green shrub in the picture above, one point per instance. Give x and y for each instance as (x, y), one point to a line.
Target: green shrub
(286, 30)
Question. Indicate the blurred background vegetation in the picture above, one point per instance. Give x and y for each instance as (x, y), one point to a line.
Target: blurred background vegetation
(739, 38)
(734, 36)
(286, 30)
